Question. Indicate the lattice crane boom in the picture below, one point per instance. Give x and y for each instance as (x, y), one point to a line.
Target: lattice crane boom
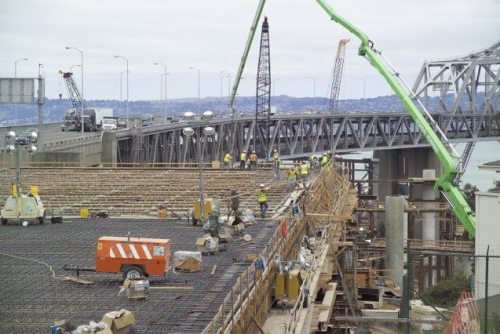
(337, 71)
(74, 92)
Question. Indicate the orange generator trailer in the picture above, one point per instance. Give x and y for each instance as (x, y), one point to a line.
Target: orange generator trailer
(134, 257)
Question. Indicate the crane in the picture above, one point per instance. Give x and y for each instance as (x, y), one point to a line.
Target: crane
(450, 162)
(337, 71)
(74, 93)
(245, 56)
(72, 117)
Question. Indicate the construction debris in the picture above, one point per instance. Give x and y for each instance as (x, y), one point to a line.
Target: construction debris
(187, 261)
(137, 289)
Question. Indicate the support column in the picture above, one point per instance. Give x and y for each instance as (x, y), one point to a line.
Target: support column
(109, 149)
(394, 236)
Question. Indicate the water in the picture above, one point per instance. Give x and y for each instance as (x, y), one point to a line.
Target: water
(484, 151)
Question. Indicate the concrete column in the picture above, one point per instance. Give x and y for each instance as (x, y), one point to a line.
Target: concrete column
(109, 149)
(429, 226)
(394, 236)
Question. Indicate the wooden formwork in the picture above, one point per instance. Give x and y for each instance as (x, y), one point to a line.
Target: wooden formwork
(247, 306)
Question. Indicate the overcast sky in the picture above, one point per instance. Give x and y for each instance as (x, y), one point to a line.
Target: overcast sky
(211, 34)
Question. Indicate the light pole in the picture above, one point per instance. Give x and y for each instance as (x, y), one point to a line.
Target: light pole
(71, 67)
(274, 86)
(314, 91)
(165, 86)
(82, 123)
(121, 82)
(15, 76)
(207, 132)
(126, 60)
(198, 71)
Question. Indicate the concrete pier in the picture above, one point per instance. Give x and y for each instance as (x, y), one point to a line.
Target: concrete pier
(394, 235)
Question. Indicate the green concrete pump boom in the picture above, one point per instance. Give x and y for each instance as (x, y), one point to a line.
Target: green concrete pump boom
(428, 127)
(245, 55)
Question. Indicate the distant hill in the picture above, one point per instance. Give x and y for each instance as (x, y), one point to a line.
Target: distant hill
(55, 108)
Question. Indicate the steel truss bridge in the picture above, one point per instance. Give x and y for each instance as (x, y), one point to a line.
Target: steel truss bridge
(462, 94)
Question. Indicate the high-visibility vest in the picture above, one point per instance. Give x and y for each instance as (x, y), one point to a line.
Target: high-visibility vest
(324, 160)
(277, 163)
(292, 174)
(276, 155)
(253, 157)
(243, 156)
(261, 196)
(304, 169)
(228, 157)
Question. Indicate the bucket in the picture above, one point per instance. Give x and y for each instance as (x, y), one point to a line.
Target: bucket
(84, 213)
(162, 213)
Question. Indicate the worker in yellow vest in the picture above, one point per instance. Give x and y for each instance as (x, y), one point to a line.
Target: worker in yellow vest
(228, 159)
(324, 160)
(304, 172)
(253, 160)
(276, 155)
(262, 199)
(243, 159)
(292, 175)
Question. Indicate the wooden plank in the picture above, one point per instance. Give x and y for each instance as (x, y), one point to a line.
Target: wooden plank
(214, 268)
(78, 280)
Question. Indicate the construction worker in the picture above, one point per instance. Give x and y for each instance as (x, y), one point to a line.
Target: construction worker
(314, 161)
(243, 159)
(292, 174)
(324, 160)
(276, 155)
(262, 199)
(253, 160)
(304, 172)
(277, 169)
(228, 159)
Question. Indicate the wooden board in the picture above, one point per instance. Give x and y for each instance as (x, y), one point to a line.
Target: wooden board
(78, 280)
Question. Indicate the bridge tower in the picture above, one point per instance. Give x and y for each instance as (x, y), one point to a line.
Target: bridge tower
(263, 96)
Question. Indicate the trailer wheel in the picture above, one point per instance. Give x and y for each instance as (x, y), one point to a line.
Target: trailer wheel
(133, 272)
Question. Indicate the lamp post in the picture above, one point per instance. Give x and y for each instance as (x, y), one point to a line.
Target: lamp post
(121, 82)
(165, 86)
(81, 73)
(126, 60)
(15, 76)
(198, 71)
(314, 91)
(14, 143)
(207, 132)
(71, 67)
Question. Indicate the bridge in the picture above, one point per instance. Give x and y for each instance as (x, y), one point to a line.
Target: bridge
(462, 94)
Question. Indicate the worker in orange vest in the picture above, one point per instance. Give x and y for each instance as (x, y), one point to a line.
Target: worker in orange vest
(253, 160)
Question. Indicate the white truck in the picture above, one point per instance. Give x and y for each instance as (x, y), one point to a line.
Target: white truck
(109, 123)
(100, 114)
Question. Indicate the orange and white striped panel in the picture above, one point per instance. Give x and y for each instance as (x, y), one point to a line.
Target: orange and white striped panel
(130, 251)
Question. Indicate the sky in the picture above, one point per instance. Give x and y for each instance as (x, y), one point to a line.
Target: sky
(210, 35)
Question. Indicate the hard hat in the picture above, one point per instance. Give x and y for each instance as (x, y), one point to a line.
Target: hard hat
(253, 151)
(262, 185)
(275, 150)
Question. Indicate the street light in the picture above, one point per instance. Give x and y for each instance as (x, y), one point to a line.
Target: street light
(164, 74)
(71, 67)
(207, 132)
(198, 71)
(121, 82)
(82, 123)
(15, 76)
(314, 91)
(126, 60)
(364, 92)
